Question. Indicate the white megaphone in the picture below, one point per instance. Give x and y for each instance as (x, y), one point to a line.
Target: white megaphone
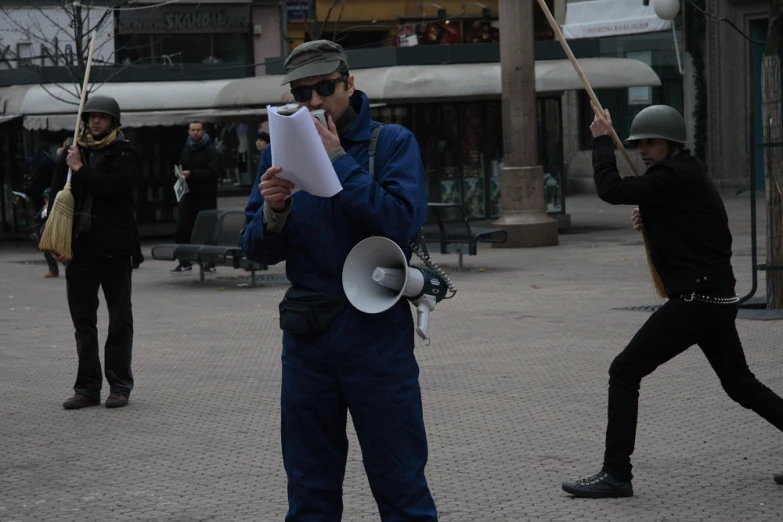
(376, 275)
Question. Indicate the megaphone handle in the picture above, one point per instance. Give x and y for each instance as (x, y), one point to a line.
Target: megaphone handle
(423, 320)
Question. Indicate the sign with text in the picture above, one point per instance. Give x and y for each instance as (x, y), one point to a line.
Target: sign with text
(298, 9)
(179, 20)
(597, 18)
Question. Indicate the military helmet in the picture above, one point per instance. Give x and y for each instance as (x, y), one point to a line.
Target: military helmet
(104, 104)
(658, 121)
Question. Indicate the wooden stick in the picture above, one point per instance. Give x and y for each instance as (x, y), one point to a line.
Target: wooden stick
(84, 94)
(659, 288)
(588, 88)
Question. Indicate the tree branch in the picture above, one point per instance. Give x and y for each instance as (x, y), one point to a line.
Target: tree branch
(328, 14)
(339, 17)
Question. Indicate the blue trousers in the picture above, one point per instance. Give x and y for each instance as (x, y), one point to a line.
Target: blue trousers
(371, 371)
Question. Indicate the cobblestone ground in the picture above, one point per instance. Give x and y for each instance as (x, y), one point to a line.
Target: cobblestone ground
(514, 385)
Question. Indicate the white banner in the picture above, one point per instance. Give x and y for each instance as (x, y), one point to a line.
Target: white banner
(597, 18)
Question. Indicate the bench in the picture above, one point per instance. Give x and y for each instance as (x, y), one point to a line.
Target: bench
(213, 242)
(452, 231)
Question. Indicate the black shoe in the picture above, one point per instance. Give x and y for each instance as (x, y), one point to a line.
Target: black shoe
(80, 401)
(600, 485)
(116, 400)
(182, 268)
(779, 478)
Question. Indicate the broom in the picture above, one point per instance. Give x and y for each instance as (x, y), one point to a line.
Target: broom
(556, 28)
(58, 231)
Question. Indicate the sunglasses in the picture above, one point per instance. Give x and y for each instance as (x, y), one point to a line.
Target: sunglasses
(324, 88)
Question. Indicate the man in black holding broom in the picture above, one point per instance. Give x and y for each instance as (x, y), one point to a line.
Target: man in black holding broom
(104, 167)
(690, 244)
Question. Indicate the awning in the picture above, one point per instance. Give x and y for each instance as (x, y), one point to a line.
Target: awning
(419, 83)
(7, 117)
(132, 96)
(149, 118)
(597, 18)
(143, 104)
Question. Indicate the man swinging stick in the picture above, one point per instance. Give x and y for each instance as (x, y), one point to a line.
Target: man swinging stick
(690, 241)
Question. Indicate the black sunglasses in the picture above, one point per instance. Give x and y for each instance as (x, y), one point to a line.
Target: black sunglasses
(323, 88)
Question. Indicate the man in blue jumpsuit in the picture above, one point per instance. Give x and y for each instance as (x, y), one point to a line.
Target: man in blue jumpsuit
(336, 358)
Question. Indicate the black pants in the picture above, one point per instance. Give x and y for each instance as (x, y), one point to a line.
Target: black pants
(189, 207)
(671, 330)
(52, 262)
(83, 278)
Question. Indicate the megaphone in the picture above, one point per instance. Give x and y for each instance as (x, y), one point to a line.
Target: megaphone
(376, 275)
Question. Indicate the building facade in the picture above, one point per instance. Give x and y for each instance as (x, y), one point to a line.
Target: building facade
(163, 61)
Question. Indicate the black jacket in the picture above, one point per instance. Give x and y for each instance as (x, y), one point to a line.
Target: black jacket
(104, 223)
(204, 166)
(683, 214)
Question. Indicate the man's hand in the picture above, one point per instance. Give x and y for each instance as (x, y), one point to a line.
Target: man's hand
(329, 137)
(636, 219)
(74, 158)
(602, 123)
(60, 258)
(186, 173)
(275, 190)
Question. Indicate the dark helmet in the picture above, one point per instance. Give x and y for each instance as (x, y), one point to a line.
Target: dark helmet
(104, 104)
(658, 121)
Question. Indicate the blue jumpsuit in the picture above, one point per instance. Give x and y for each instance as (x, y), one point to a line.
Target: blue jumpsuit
(363, 362)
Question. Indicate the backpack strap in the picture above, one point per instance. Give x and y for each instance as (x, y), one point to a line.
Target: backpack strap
(371, 149)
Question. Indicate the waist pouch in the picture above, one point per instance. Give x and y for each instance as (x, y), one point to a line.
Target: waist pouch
(308, 313)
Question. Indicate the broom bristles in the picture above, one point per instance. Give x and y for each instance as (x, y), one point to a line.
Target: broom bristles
(57, 234)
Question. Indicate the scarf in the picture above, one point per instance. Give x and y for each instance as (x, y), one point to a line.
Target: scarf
(196, 145)
(88, 141)
(346, 121)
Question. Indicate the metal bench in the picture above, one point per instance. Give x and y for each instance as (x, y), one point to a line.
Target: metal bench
(452, 231)
(203, 234)
(213, 242)
(226, 251)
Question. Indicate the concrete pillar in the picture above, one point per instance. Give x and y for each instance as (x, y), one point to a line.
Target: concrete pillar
(522, 208)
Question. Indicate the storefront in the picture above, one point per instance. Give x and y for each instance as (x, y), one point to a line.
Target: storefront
(155, 117)
(455, 112)
(462, 150)
(179, 33)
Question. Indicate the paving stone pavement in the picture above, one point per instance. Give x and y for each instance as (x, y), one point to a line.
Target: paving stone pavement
(514, 386)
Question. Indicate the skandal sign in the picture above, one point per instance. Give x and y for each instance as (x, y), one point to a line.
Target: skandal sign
(202, 19)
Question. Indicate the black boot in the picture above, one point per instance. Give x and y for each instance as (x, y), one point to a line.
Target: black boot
(779, 478)
(600, 485)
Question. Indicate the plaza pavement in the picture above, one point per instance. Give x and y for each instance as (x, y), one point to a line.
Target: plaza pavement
(514, 389)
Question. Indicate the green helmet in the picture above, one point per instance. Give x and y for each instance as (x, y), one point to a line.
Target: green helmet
(658, 121)
(104, 104)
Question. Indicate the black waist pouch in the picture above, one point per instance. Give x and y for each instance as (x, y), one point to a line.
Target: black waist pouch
(308, 313)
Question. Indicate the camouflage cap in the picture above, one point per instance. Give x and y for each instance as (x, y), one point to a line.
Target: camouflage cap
(314, 58)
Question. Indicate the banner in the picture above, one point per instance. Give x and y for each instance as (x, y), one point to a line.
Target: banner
(597, 18)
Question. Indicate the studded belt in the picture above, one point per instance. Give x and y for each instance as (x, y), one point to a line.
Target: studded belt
(710, 299)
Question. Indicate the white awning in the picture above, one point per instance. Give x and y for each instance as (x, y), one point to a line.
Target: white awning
(151, 104)
(132, 96)
(419, 83)
(149, 118)
(143, 104)
(7, 117)
(597, 18)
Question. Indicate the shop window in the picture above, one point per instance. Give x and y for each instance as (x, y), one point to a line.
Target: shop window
(183, 48)
(358, 39)
(230, 47)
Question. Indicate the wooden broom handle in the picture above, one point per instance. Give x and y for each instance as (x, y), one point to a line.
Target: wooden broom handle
(581, 74)
(84, 93)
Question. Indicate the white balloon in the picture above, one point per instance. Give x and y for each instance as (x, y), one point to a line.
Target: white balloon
(666, 9)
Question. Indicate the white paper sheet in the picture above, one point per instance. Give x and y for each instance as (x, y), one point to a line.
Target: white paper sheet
(297, 148)
(181, 185)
